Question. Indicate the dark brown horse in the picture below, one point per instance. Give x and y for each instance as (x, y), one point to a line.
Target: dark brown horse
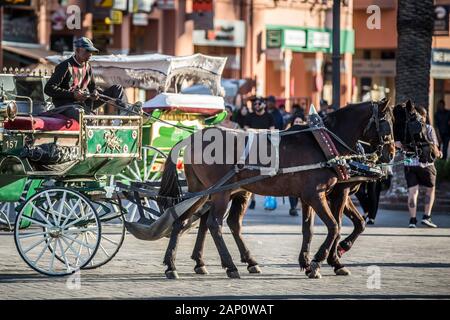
(352, 123)
(412, 133)
(337, 199)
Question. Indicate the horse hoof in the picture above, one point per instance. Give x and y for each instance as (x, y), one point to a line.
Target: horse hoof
(342, 272)
(233, 274)
(201, 270)
(314, 271)
(172, 275)
(254, 269)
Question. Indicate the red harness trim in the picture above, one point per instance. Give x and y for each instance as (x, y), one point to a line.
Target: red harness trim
(340, 170)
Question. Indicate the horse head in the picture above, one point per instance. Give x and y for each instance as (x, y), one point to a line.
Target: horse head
(378, 132)
(411, 130)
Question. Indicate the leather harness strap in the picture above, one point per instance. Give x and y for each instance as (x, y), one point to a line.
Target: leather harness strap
(330, 152)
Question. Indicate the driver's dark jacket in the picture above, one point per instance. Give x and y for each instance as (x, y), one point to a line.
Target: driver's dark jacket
(68, 77)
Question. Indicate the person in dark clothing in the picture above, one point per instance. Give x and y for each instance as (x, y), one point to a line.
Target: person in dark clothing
(259, 119)
(368, 196)
(298, 119)
(242, 116)
(72, 86)
(276, 114)
(442, 122)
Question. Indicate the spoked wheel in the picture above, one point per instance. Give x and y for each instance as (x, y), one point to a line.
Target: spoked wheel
(7, 214)
(63, 231)
(112, 236)
(148, 169)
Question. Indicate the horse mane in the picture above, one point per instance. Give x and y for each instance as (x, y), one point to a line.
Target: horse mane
(331, 119)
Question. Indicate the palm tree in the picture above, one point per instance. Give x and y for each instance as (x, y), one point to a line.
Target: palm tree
(415, 21)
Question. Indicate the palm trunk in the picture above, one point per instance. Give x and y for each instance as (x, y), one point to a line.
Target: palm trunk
(415, 21)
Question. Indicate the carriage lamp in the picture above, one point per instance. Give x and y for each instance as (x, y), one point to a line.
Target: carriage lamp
(8, 110)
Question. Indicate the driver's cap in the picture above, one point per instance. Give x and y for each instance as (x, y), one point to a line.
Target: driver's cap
(85, 43)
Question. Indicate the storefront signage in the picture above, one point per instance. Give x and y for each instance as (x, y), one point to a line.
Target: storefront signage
(104, 3)
(295, 38)
(20, 29)
(273, 38)
(226, 33)
(440, 57)
(441, 23)
(120, 5)
(166, 4)
(374, 68)
(145, 5)
(301, 39)
(319, 39)
(15, 2)
(140, 19)
(116, 17)
(440, 63)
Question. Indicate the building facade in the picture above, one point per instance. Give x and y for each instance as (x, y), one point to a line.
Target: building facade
(283, 47)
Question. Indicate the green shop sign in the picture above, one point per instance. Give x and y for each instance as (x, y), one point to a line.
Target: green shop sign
(300, 39)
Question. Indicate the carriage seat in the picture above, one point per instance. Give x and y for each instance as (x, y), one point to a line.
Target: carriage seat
(55, 122)
(206, 105)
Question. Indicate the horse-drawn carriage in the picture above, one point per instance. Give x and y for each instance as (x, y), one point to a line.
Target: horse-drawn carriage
(58, 175)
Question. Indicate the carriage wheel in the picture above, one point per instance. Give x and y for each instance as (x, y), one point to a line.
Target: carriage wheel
(7, 213)
(112, 236)
(148, 169)
(62, 223)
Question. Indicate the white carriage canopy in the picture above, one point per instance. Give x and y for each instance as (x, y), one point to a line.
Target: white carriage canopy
(155, 71)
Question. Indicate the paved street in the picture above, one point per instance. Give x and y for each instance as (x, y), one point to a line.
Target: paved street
(413, 263)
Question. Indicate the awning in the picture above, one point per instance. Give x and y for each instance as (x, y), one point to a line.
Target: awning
(33, 51)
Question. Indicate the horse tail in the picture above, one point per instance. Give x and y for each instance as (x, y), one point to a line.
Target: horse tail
(169, 191)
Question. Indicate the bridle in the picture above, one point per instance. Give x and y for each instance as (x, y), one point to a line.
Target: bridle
(414, 127)
(383, 129)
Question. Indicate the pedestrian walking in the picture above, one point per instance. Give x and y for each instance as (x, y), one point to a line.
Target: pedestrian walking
(422, 174)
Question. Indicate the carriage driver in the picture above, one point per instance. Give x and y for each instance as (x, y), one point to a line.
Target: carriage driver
(72, 85)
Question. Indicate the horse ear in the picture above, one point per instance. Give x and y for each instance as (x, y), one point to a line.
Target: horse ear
(384, 104)
(409, 106)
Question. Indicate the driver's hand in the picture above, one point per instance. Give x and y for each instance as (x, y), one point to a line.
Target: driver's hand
(79, 96)
(95, 95)
(398, 145)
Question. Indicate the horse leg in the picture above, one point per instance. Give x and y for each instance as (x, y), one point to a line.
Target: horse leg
(177, 228)
(169, 258)
(197, 253)
(319, 204)
(215, 222)
(359, 224)
(338, 199)
(237, 211)
(307, 232)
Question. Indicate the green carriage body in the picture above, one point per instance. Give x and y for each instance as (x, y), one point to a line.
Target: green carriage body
(105, 145)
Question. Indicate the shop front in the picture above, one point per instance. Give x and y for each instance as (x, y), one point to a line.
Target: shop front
(440, 78)
(298, 64)
(227, 39)
(374, 75)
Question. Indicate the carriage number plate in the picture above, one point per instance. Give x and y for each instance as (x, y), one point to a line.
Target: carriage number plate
(11, 143)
